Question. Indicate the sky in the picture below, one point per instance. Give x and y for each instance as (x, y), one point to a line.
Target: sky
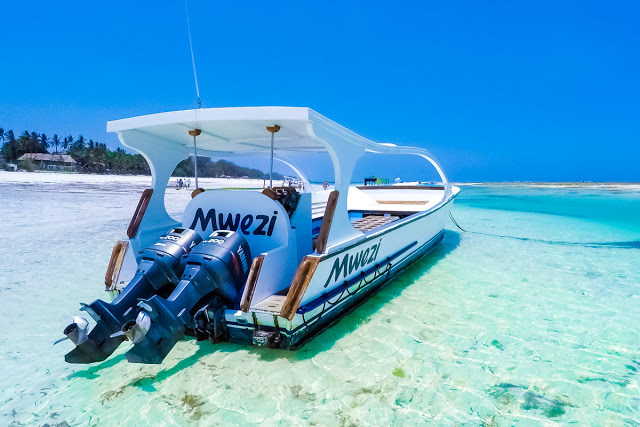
(496, 90)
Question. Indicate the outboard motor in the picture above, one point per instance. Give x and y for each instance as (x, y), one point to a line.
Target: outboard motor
(215, 272)
(158, 271)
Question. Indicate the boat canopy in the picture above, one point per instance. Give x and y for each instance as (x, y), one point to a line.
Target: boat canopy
(164, 140)
(242, 131)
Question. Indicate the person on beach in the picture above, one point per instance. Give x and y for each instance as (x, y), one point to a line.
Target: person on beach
(188, 183)
(325, 185)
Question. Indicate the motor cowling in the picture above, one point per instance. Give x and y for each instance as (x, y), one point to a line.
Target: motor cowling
(214, 275)
(159, 267)
(226, 257)
(162, 262)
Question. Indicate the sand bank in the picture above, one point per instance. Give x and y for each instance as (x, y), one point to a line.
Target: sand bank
(611, 186)
(141, 181)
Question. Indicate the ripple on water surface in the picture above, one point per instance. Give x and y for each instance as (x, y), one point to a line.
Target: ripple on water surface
(488, 330)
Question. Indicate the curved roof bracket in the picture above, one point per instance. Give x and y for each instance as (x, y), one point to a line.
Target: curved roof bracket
(303, 178)
(344, 158)
(162, 164)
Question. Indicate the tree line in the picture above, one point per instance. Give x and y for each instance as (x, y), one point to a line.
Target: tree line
(90, 156)
(95, 157)
(221, 168)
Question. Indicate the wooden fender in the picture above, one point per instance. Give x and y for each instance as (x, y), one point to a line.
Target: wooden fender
(327, 220)
(298, 286)
(252, 281)
(115, 264)
(139, 213)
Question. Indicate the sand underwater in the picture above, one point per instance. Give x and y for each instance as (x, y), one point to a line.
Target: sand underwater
(537, 328)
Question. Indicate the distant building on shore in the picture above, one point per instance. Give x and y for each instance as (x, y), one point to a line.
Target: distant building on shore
(44, 161)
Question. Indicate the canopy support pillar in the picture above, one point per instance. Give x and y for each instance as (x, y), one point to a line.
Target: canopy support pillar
(273, 129)
(344, 158)
(162, 164)
(194, 133)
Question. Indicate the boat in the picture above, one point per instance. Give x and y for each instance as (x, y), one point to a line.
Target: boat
(271, 268)
(292, 181)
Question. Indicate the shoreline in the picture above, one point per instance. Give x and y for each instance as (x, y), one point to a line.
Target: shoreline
(47, 178)
(215, 183)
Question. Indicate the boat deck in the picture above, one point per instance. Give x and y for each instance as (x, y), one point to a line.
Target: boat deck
(372, 208)
(273, 304)
(371, 222)
(395, 200)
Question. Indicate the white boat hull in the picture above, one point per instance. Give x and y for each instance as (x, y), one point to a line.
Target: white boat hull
(386, 253)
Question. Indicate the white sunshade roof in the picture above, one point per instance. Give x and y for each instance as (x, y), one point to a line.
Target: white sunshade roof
(162, 138)
(237, 130)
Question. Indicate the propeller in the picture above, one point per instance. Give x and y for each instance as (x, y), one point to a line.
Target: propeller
(76, 332)
(135, 330)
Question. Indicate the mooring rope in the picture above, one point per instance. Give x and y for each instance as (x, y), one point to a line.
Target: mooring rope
(630, 244)
(455, 222)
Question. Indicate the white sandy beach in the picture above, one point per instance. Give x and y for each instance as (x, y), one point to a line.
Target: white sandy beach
(175, 199)
(142, 181)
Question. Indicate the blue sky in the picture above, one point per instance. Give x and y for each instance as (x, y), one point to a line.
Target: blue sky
(500, 90)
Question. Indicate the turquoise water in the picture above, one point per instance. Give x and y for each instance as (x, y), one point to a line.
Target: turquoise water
(539, 327)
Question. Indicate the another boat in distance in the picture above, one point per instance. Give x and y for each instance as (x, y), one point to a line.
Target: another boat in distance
(271, 268)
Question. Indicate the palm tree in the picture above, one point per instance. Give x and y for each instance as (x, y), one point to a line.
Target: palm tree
(2, 149)
(55, 141)
(44, 142)
(5, 151)
(90, 152)
(66, 143)
(12, 146)
(102, 154)
(24, 142)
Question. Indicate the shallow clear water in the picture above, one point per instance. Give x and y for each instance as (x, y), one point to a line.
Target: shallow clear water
(536, 328)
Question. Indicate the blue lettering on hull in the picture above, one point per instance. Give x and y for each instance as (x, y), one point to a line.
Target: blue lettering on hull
(234, 222)
(351, 262)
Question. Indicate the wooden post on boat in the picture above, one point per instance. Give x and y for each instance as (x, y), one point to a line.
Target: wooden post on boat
(273, 129)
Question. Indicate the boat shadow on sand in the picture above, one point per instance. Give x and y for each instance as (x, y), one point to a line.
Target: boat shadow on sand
(322, 342)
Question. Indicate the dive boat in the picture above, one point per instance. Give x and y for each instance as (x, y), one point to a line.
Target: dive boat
(272, 268)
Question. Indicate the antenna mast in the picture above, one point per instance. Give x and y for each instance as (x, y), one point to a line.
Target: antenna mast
(195, 132)
(193, 61)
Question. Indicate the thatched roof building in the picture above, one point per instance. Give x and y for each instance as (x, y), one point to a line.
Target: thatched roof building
(50, 161)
